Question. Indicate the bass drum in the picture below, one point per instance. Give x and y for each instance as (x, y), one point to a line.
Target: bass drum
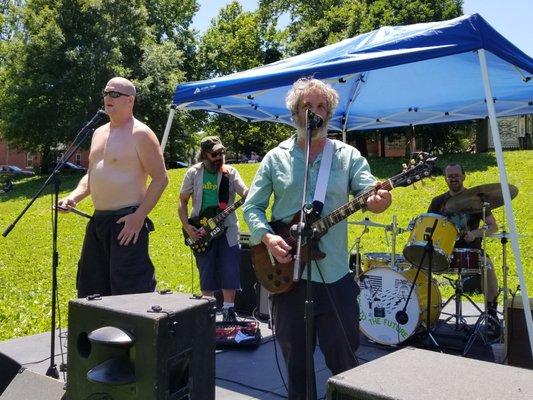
(384, 293)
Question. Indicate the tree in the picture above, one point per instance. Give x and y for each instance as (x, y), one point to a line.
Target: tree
(64, 52)
(236, 41)
(317, 23)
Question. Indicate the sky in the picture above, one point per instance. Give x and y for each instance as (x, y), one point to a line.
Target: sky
(511, 18)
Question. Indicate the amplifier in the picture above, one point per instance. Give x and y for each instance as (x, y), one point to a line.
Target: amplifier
(517, 335)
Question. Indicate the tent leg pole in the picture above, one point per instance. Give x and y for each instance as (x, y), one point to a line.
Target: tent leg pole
(167, 128)
(505, 191)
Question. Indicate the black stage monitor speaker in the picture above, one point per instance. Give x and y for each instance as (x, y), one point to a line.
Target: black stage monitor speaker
(519, 347)
(141, 347)
(27, 385)
(9, 368)
(416, 374)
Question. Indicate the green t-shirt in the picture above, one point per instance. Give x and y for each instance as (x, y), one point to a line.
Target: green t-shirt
(210, 190)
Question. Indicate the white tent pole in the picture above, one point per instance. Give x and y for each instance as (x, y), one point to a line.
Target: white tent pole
(167, 127)
(506, 194)
(344, 135)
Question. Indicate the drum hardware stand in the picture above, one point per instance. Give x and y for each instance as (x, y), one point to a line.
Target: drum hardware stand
(505, 291)
(394, 229)
(357, 246)
(481, 325)
(460, 321)
(401, 316)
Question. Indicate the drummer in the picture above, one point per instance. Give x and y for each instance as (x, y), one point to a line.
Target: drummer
(471, 235)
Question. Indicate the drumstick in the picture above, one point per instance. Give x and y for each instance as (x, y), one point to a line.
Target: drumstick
(75, 211)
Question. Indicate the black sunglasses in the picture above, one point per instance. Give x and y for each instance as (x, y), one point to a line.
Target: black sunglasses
(113, 94)
(217, 153)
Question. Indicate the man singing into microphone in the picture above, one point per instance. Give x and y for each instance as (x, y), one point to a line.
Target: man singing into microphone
(281, 173)
(124, 153)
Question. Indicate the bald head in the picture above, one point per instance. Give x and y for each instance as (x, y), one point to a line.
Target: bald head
(121, 85)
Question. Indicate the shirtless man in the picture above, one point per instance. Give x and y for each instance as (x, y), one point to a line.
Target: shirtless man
(124, 152)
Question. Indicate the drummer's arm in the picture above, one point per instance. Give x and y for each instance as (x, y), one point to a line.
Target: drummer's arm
(490, 227)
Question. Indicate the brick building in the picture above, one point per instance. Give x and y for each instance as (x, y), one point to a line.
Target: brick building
(28, 160)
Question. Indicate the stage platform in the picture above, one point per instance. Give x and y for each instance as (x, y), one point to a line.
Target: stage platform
(254, 373)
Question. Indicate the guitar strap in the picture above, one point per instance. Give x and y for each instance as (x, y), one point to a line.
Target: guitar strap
(323, 177)
(223, 190)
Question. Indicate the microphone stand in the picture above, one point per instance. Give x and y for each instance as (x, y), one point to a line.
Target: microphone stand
(303, 231)
(53, 178)
(401, 316)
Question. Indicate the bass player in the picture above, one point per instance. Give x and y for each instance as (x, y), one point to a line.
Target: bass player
(281, 173)
(212, 185)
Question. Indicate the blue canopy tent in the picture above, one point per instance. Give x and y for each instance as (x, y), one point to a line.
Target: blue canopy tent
(436, 72)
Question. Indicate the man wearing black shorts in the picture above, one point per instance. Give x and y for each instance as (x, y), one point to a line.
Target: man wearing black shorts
(124, 153)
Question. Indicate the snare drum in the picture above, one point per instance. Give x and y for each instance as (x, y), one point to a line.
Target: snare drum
(375, 260)
(444, 237)
(384, 293)
(466, 261)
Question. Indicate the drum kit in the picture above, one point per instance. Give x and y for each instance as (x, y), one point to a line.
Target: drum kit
(398, 290)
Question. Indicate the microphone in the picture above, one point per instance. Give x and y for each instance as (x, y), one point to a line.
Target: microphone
(99, 116)
(313, 120)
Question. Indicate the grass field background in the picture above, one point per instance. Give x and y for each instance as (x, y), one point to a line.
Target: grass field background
(26, 253)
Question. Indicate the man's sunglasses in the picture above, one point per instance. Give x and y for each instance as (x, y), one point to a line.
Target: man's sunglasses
(217, 153)
(113, 94)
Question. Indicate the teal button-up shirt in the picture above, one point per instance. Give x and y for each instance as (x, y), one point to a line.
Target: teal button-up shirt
(281, 173)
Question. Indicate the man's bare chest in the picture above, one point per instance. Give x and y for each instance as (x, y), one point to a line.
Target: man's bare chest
(114, 147)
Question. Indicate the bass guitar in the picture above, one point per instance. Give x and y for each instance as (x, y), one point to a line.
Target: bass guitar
(277, 277)
(212, 226)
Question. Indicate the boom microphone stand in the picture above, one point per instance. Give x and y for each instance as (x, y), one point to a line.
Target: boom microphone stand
(82, 135)
(401, 316)
(303, 231)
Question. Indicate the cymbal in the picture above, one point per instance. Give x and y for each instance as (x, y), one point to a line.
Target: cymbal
(501, 235)
(367, 222)
(471, 200)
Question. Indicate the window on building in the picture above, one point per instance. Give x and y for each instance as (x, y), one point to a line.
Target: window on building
(29, 160)
(78, 158)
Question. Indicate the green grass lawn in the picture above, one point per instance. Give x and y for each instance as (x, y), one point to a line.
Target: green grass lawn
(26, 253)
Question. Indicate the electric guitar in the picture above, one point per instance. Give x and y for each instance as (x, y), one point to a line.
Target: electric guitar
(277, 277)
(213, 226)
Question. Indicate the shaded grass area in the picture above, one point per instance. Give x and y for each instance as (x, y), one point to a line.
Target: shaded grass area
(26, 253)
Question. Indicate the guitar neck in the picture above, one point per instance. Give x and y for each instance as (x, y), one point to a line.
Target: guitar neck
(227, 211)
(322, 225)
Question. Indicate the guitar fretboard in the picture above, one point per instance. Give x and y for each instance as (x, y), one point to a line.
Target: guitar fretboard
(323, 224)
(227, 211)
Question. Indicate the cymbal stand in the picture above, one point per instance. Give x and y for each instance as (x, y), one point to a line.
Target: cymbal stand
(505, 290)
(393, 241)
(357, 246)
(481, 325)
